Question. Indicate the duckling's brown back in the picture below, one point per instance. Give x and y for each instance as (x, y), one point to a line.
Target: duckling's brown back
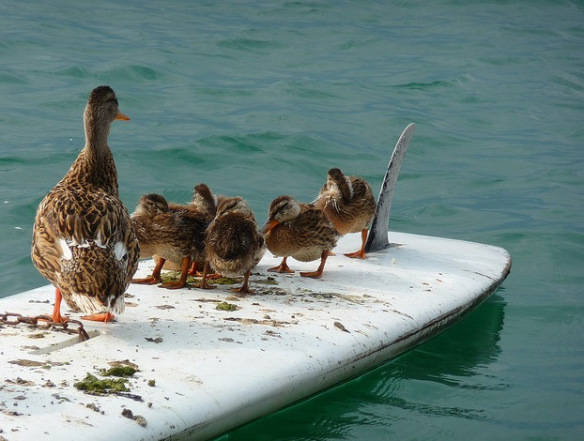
(232, 236)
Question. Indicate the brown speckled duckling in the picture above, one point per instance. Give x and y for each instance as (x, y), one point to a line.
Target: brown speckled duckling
(172, 235)
(301, 231)
(349, 204)
(83, 240)
(203, 206)
(234, 244)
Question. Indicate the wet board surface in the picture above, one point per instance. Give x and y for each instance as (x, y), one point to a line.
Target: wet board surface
(212, 369)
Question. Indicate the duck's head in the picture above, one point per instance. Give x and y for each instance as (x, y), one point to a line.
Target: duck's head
(282, 209)
(233, 205)
(204, 199)
(102, 106)
(151, 205)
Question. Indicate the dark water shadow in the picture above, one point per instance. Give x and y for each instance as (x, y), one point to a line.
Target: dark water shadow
(459, 352)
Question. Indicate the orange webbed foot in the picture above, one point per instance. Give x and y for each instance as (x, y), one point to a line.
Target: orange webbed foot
(312, 274)
(100, 317)
(356, 255)
(316, 274)
(147, 281)
(282, 268)
(244, 289)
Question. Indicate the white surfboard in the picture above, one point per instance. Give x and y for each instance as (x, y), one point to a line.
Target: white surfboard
(203, 371)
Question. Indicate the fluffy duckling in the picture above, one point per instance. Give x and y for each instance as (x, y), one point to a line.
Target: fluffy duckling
(83, 241)
(349, 204)
(301, 231)
(177, 236)
(204, 203)
(234, 244)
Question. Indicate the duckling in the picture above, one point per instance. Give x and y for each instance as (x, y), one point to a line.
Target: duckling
(234, 244)
(301, 231)
(83, 241)
(148, 232)
(177, 236)
(204, 204)
(349, 204)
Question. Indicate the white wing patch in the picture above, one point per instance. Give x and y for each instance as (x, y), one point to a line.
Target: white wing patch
(65, 250)
(99, 241)
(120, 251)
(66, 244)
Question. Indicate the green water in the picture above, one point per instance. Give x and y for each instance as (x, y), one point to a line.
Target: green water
(262, 98)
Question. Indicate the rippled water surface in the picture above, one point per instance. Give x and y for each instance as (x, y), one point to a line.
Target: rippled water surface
(261, 98)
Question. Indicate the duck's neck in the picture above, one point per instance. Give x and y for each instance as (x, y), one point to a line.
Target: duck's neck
(95, 164)
(205, 199)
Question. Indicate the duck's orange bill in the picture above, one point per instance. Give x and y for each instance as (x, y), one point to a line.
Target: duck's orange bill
(123, 117)
(269, 226)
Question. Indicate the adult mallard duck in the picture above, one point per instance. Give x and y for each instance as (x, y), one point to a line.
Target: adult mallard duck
(234, 244)
(349, 204)
(83, 241)
(174, 235)
(301, 231)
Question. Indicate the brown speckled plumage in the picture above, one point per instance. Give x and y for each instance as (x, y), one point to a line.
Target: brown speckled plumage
(301, 231)
(172, 234)
(347, 201)
(83, 240)
(234, 244)
(202, 207)
(349, 204)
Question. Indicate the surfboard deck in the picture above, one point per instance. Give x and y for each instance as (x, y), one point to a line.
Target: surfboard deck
(203, 371)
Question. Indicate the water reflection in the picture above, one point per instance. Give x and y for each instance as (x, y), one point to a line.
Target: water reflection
(413, 383)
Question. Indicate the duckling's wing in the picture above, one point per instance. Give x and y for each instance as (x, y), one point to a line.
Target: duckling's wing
(314, 229)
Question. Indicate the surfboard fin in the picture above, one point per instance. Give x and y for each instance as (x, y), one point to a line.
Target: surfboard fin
(377, 239)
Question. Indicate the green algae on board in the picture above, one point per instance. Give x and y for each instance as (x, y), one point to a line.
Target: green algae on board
(224, 306)
(93, 384)
(172, 276)
(118, 371)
